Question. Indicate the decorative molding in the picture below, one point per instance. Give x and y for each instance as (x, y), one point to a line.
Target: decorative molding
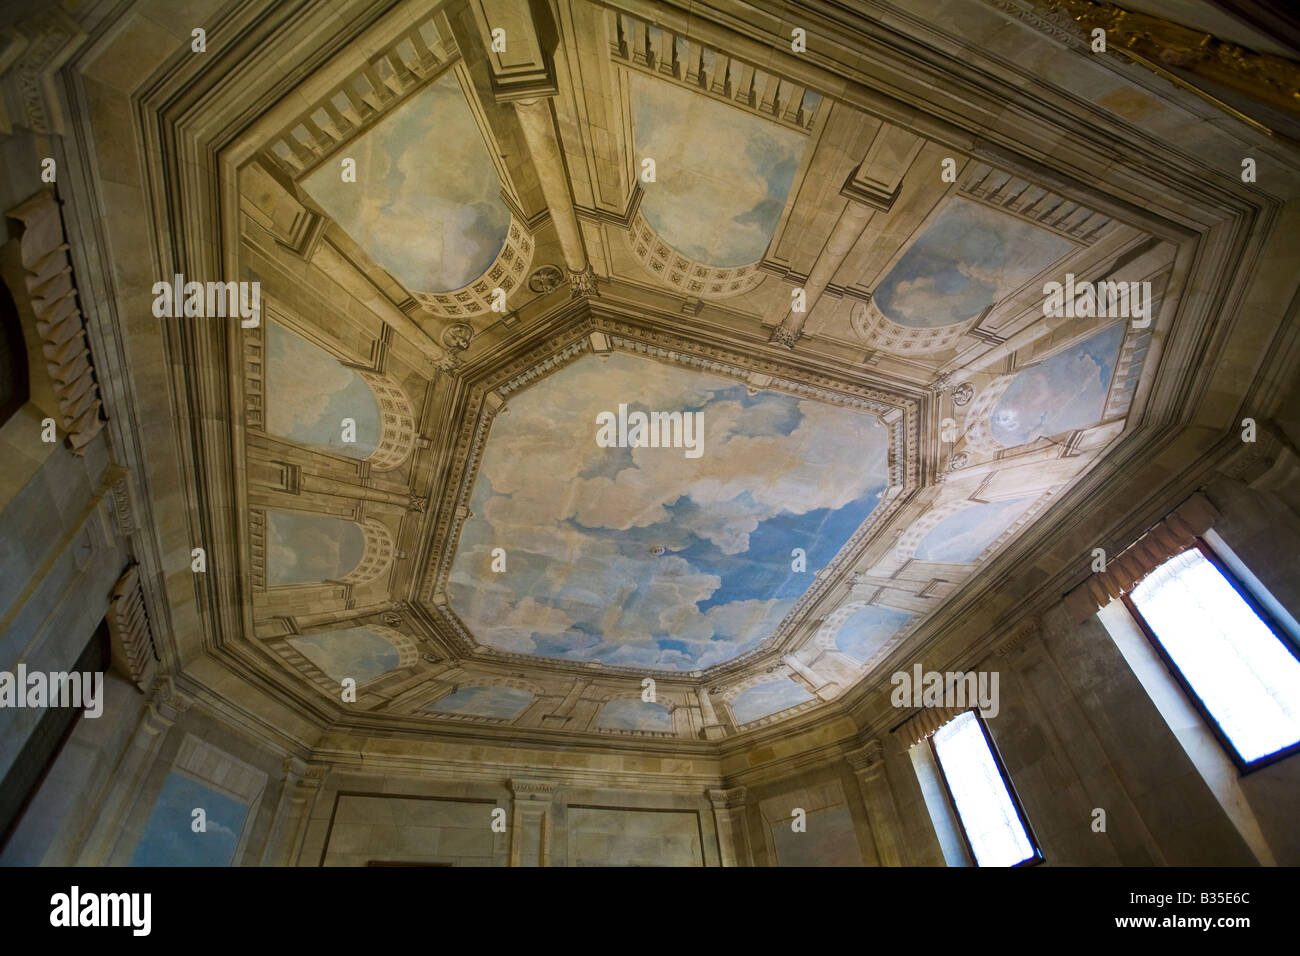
(351, 107)
(694, 279)
(134, 652)
(867, 761)
(506, 273)
(1027, 629)
(53, 297)
(583, 283)
(651, 49)
(731, 798)
(1031, 203)
(31, 54)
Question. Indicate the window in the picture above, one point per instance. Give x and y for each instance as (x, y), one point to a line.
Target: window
(14, 390)
(996, 831)
(1231, 659)
(28, 771)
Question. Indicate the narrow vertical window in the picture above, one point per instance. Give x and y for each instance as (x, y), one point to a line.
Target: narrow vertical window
(996, 831)
(1235, 665)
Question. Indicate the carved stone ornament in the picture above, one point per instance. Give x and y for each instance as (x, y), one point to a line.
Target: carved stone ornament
(456, 337)
(545, 279)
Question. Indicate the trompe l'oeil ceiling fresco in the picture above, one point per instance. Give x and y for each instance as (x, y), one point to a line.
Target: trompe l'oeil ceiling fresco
(460, 510)
(647, 556)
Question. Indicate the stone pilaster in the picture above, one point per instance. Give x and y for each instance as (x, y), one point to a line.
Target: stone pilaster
(302, 785)
(729, 818)
(868, 763)
(530, 822)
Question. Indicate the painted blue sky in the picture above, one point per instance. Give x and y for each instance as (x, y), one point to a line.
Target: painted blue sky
(962, 537)
(968, 258)
(769, 698)
(1060, 394)
(427, 201)
(721, 175)
(578, 522)
(168, 839)
(867, 630)
(633, 714)
(309, 393)
(304, 549)
(503, 702)
(355, 652)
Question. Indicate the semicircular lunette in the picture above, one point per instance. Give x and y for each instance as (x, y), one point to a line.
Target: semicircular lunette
(426, 204)
(966, 259)
(310, 397)
(722, 177)
(310, 548)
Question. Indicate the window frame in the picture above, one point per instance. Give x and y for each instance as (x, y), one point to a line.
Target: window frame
(1006, 782)
(1243, 766)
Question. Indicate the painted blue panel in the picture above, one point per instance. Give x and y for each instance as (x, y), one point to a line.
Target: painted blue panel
(632, 714)
(168, 838)
(309, 393)
(722, 175)
(868, 629)
(503, 702)
(968, 257)
(1059, 394)
(303, 549)
(963, 536)
(427, 201)
(764, 699)
(580, 522)
(355, 652)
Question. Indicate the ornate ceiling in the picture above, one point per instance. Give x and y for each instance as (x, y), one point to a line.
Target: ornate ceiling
(468, 255)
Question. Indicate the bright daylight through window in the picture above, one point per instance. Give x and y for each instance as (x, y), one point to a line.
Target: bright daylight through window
(994, 829)
(1247, 679)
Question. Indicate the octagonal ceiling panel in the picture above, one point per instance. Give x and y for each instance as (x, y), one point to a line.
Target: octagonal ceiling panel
(646, 557)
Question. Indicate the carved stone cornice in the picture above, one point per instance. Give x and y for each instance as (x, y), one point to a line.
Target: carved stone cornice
(868, 760)
(582, 283)
(731, 798)
(31, 53)
(166, 703)
(1025, 630)
(527, 789)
